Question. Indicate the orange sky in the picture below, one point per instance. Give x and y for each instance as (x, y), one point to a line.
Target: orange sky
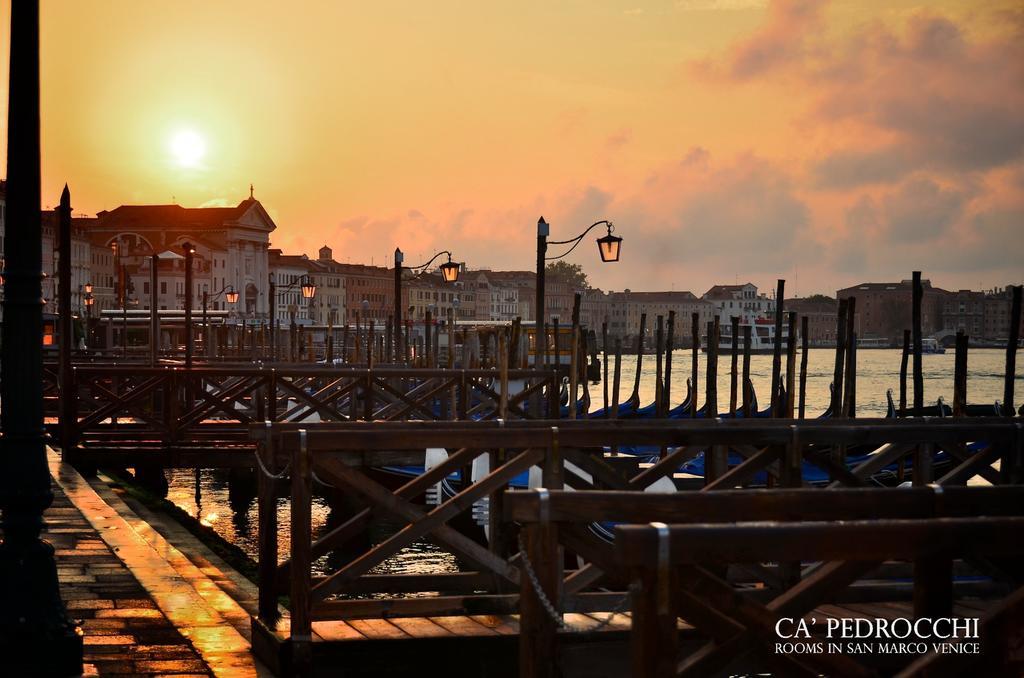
(826, 143)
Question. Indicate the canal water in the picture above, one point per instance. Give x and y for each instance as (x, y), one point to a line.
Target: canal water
(233, 515)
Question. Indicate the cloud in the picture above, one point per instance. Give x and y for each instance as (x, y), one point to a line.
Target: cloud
(850, 168)
(924, 95)
(778, 44)
(921, 210)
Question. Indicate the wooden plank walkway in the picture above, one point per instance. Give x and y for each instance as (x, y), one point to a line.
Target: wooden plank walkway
(198, 622)
(125, 632)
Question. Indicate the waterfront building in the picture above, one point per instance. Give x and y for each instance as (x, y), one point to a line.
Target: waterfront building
(964, 310)
(741, 301)
(883, 309)
(230, 247)
(373, 284)
(820, 312)
(996, 314)
(625, 308)
(328, 307)
(288, 271)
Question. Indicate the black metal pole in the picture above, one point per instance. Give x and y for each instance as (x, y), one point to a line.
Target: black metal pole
(124, 307)
(36, 635)
(206, 329)
(154, 315)
(273, 319)
(399, 259)
(67, 411)
(188, 304)
(293, 348)
(542, 250)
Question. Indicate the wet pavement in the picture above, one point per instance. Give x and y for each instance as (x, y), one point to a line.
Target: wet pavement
(145, 608)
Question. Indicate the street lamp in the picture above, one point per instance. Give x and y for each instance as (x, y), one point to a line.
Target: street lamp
(449, 273)
(189, 250)
(37, 634)
(608, 247)
(230, 295)
(308, 292)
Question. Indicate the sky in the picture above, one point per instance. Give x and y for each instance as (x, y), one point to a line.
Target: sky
(827, 143)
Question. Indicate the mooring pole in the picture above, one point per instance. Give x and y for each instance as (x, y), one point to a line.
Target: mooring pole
(918, 293)
(36, 635)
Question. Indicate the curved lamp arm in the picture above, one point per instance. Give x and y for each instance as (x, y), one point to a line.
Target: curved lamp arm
(432, 259)
(578, 239)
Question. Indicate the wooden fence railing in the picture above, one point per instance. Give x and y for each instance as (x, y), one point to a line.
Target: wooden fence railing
(552, 520)
(675, 572)
(568, 454)
(180, 416)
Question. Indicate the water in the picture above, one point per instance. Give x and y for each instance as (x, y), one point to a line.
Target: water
(234, 517)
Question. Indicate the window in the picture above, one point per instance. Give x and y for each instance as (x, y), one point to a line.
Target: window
(163, 288)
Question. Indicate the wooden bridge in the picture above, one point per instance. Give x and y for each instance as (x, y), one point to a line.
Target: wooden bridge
(517, 598)
(175, 416)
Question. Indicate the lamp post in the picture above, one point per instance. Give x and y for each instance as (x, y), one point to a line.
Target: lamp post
(449, 273)
(308, 288)
(189, 251)
(89, 301)
(230, 296)
(36, 635)
(608, 246)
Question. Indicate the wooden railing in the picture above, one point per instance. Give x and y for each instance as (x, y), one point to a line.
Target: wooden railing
(573, 454)
(675, 572)
(200, 416)
(553, 519)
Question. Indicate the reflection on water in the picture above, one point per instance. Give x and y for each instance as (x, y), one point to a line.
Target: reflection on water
(877, 370)
(230, 508)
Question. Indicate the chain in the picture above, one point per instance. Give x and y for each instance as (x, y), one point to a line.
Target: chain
(266, 471)
(320, 480)
(550, 608)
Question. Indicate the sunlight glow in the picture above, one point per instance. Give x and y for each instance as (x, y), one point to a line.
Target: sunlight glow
(188, 148)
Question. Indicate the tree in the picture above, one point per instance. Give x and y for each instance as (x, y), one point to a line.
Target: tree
(571, 274)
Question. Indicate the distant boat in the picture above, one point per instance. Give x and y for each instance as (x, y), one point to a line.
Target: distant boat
(762, 337)
(931, 345)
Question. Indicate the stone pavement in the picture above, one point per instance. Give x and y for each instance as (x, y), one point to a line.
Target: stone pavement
(125, 633)
(145, 608)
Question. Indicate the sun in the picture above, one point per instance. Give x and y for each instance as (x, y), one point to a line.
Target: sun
(188, 148)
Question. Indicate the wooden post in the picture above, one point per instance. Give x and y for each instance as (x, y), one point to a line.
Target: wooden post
(903, 373)
(695, 334)
(267, 537)
(659, 345)
(670, 343)
(503, 377)
(635, 396)
(780, 293)
(850, 386)
(960, 375)
(370, 334)
(1011, 353)
(427, 343)
(711, 387)
(302, 540)
(654, 640)
(791, 367)
(837, 375)
(574, 371)
(803, 363)
(538, 639)
(747, 395)
(614, 413)
(918, 293)
(604, 363)
(734, 324)
(558, 349)
(718, 462)
(933, 586)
